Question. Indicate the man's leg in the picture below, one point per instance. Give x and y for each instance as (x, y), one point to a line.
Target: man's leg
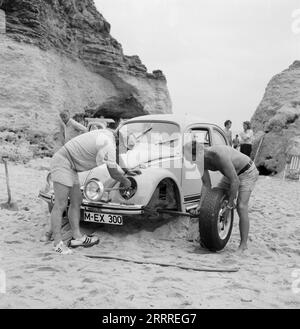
(74, 210)
(78, 240)
(61, 193)
(242, 209)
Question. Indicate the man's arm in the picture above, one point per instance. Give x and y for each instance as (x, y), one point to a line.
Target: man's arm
(79, 127)
(62, 136)
(118, 174)
(206, 179)
(107, 155)
(206, 184)
(225, 166)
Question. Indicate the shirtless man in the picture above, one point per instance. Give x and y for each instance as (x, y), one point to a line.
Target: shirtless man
(240, 175)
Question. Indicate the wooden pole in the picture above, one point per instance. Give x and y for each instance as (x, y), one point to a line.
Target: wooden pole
(259, 145)
(7, 180)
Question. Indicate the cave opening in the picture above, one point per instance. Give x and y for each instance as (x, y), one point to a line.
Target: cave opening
(117, 108)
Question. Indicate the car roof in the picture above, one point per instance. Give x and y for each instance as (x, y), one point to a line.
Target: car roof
(96, 120)
(182, 120)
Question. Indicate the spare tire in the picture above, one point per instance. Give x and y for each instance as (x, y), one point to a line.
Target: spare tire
(215, 224)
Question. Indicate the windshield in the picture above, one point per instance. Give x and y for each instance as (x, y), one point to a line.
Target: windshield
(152, 140)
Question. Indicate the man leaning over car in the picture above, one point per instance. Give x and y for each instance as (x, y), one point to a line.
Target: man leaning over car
(81, 153)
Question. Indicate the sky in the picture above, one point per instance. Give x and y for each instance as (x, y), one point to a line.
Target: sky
(217, 56)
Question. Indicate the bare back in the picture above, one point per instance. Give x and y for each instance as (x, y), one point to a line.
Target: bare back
(226, 153)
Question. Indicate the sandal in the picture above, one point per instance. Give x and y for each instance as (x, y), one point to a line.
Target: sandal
(85, 241)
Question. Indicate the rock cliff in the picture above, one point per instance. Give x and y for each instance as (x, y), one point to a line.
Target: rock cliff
(277, 118)
(58, 54)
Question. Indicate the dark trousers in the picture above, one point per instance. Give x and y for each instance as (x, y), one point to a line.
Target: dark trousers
(246, 149)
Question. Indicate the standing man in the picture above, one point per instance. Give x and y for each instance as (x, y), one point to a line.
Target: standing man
(69, 128)
(240, 176)
(81, 153)
(246, 138)
(227, 131)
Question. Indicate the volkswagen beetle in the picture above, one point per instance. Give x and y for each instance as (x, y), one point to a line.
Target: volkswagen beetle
(170, 181)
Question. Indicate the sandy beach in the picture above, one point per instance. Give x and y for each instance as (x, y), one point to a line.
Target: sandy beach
(38, 278)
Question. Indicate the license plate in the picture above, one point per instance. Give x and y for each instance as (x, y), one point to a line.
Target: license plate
(96, 217)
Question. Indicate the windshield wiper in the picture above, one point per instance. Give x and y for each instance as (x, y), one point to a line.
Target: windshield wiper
(167, 141)
(143, 133)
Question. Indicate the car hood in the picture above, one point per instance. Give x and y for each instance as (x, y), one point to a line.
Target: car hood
(141, 156)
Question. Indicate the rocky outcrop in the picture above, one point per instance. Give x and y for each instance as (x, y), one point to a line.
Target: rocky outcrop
(73, 27)
(59, 54)
(277, 119)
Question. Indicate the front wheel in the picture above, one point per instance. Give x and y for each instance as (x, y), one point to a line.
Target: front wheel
(215, 222)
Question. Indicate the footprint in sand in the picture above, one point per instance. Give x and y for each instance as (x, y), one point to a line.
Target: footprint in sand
(47, 258)
(16, 290)
(94, 292)
(130, 297)
(44, 254)
(88, 280)
(13, 242)
(175, 295)
(16, 277)
(163, 278)
(147, 267)
(47, 269)
(248, 296)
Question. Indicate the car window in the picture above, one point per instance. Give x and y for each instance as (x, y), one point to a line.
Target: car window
(152, 140)
(219, 139)
(200, 135)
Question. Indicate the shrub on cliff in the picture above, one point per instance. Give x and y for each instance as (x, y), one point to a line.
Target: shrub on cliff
(286, 115)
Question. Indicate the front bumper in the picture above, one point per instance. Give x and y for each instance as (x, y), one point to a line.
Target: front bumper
(100, 207)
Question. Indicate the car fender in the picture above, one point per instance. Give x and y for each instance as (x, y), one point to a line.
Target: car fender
(147, 182)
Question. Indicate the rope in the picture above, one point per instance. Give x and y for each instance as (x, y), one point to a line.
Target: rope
(199, 269)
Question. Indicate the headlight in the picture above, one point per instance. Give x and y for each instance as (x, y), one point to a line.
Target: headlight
(129, 192)
(93, 190)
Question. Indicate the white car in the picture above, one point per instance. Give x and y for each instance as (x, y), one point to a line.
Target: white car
(169, 183)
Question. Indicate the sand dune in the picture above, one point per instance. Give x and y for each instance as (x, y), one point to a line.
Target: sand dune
(38, 278)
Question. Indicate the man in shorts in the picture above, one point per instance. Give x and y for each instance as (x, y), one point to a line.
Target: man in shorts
(240, 176)
(81, 153)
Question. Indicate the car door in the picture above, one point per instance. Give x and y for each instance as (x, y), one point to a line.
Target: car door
(218, 138)
(191, 177)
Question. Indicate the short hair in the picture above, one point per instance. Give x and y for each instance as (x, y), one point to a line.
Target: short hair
(247, 124)
(227, 122)
(64, 112)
